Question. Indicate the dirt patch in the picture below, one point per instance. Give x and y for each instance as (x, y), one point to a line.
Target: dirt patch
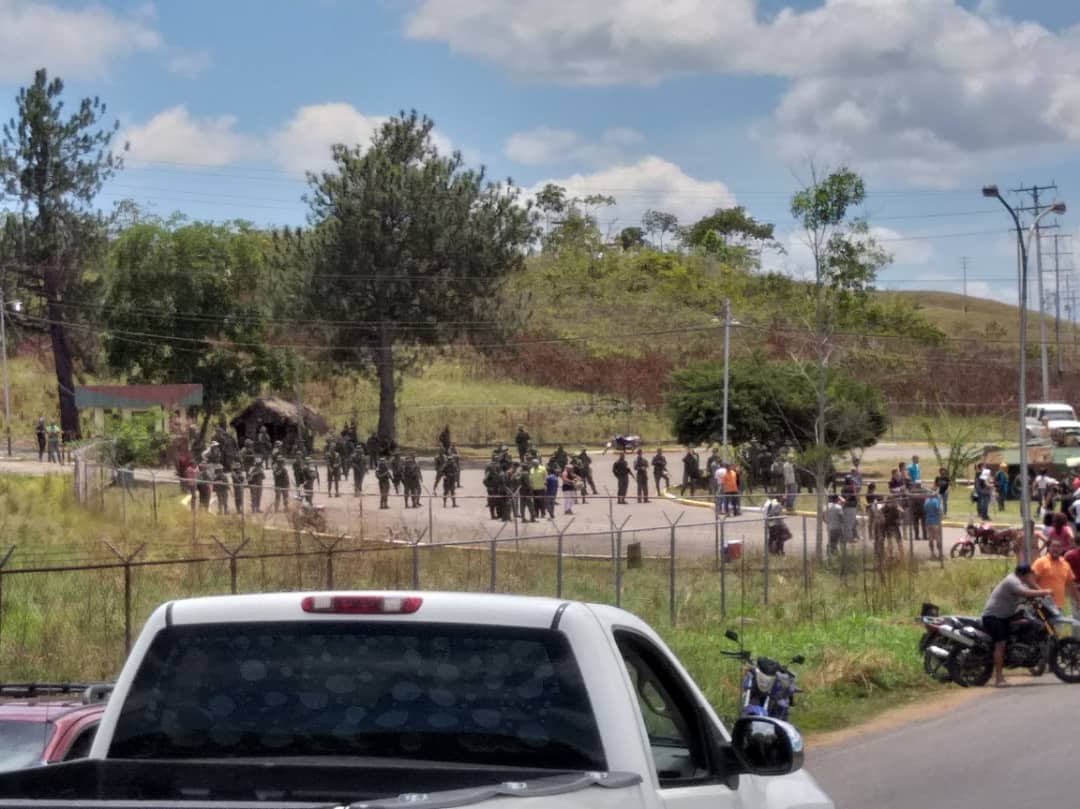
(923, 708)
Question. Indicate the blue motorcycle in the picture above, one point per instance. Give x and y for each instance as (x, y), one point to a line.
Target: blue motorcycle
(768, 687)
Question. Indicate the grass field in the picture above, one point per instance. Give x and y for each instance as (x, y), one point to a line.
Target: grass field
(858, 634)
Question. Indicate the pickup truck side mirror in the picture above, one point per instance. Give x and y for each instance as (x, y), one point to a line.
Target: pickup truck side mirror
(731, 634)
(766, 746)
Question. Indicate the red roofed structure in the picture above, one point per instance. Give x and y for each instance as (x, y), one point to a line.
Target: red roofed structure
(171, 400)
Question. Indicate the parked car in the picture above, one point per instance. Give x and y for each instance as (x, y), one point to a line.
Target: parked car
(41, 729)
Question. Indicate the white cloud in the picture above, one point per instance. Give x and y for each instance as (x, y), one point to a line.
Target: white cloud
(905, 250)
(651, 182)
(175, 136)
(303, 143)
(189, 64)
(544, 146)
(920, 90)
(74, 43)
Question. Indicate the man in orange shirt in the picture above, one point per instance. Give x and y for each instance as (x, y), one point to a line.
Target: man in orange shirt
(731, 491)
(1053, 573)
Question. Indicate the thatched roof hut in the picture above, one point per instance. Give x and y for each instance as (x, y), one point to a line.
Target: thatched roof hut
(279, 416)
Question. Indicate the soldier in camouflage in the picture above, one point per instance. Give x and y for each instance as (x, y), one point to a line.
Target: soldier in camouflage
(263, 445)
(221, 490)
(396, 467)
(255, 477)
(333, 471)
(311, 477)
(358, 462)
(412, 478)
(382, 475)
(450, 473)
(281, 484)
(239, 480)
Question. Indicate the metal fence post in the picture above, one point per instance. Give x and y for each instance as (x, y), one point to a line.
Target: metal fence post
(805, 558)
(416, 565)
(494, 540)
(328, 548)
(3, 562)
(723, 572)
(618, 531)
(153, 487)
(671, 567)
(232, 554)
(127, 560)
(559, 560)
(765, 557)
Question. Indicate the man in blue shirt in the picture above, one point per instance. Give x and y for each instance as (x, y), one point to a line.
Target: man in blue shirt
(913, 470)
(932, 511)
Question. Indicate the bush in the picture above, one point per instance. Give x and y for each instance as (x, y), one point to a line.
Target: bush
(134, 443)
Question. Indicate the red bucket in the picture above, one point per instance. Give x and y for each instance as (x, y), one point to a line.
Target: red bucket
(733, 550)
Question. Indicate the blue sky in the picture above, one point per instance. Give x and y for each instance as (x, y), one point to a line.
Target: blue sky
(682, 105)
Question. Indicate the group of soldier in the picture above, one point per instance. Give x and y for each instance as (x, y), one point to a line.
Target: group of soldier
(527, 487)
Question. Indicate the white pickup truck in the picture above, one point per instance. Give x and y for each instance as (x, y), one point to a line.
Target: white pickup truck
(419, 700)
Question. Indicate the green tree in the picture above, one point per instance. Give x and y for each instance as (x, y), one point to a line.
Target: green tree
(52, 166)
(659, 223)
(846, 260)
(773, 403)
(190, 304)
(407, 249)
(730, 234)
(632, 238)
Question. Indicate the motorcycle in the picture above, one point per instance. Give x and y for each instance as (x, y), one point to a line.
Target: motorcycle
(1033, 643)
(767, 687)
(988, 539)
(934, 645)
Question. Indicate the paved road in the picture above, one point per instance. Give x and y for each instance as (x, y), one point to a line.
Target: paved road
(1004, 749)
(590, 532)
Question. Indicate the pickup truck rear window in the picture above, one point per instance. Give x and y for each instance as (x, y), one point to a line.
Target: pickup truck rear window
(424, 692)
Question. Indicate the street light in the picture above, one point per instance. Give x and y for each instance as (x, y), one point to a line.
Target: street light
(728, 323)
(1057, 207)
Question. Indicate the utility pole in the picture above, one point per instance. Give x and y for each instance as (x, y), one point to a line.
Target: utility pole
(727, 349)
(3, 354)
(963, 267)
(1035, 209)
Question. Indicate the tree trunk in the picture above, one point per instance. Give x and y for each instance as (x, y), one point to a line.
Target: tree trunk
(387, 400)
(65, 382)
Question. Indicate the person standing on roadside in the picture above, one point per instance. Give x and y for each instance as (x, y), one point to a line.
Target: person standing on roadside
(621, 470)
(1001, 485)
(791, 488)
(999, 610)
(1072, 557)
(53, 442)
(551, 490)
(39, 432)
(1056, 575)
(659, 471)
(913, 472)
(941, 483)
(641, 473)
(932, 517)
(731, 491)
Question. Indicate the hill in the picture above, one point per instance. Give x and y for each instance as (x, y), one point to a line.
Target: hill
(979, 318)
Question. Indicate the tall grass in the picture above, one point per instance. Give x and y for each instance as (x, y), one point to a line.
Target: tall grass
(857, 632)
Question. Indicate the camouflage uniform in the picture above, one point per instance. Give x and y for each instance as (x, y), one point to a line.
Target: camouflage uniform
(247, 454)
(450, 473)
(585, 469)
(383, 474)
(621, 470)
(281, 484)
(396, 465)
(522, 440)
(311, 477)
(263, 445)
(221, 490)
(238, 481)
(641, 471)
(358, 462)
(333, 472)
(256, 475)
(412, 477)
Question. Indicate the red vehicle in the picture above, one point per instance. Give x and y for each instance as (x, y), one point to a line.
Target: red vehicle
(41, 729)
